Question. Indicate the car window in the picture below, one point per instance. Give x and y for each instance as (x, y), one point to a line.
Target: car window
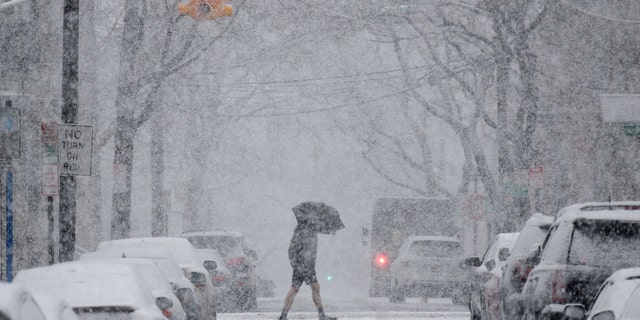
(438, 249)
(601, 244)
(491, 251)
(556, 245)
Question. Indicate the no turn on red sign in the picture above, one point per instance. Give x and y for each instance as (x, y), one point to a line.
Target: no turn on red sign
(76, 143)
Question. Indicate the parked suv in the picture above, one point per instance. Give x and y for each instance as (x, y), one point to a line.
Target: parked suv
(427, 265)
(585, 245)
(513, 275)
(239, 259)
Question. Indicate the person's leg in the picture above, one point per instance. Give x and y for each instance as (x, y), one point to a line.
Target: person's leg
(288, 300)
(315, 296)
(296, 282)
(317, 300)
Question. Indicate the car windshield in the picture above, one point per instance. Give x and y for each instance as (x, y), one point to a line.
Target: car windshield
(605, 244)
(437, 249)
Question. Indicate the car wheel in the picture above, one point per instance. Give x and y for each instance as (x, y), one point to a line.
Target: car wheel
(397, 294)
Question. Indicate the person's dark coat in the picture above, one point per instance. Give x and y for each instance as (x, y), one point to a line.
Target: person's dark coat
(303, 248)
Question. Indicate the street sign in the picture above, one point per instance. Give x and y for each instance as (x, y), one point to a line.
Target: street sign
(50, 152)
(50, 180)
(536, 177)
(76, 142)
(9, 133)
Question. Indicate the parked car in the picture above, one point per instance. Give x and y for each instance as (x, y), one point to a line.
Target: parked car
(617, 299)
(484, 284)
(96, 291)
(17, 303)
(221, 277)
(585, 245)
(513, 274)
(154, 279)
(166, 262)
(239, 259)
(427, 266)
(185, 254)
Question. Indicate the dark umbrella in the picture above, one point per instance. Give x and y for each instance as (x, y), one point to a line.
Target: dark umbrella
(318, 216)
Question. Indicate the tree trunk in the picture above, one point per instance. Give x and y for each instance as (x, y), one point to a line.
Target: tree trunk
(132, 37)
(158, 211)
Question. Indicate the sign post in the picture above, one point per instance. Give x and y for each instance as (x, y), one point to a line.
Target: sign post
(9, 149)
(50, 178)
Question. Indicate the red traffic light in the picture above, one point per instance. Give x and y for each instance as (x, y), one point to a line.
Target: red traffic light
(206, 9)
(381, 260)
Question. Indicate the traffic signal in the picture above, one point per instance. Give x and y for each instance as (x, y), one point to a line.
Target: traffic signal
(206, 9)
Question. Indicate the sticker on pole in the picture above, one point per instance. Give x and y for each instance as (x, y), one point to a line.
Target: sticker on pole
(76, 143)
(50, 180)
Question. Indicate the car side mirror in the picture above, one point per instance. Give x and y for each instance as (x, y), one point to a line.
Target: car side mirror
(472, 262)
(164, 303)
(253, 255)
(574, 311)
(210, 265)
(197, 279)
(503, 254)
(490, 264)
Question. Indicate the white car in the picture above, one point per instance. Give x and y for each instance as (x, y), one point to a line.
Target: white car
(97, 290)
(182, 287)
(427, 266)
(154, 279)
(17, 303)
(186, 256)
(618, 299)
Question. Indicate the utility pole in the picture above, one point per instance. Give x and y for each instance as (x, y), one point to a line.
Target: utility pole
(70, 37)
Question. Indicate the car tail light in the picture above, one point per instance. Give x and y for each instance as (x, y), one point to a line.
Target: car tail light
(235, 261)
(167, 313)
(381, 260)
(558, 287)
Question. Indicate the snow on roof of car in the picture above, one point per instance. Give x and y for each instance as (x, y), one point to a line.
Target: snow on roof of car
(90, 285)
(212, 232)
(160, 256)
(623, 210)
(180, 248)
(432, 238)
(625, 274)
(539, 219)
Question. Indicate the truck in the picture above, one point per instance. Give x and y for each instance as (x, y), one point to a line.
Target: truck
(393, 221)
